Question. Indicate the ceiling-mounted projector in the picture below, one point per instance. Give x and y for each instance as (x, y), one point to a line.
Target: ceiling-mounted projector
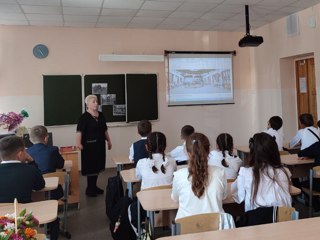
(249, 40)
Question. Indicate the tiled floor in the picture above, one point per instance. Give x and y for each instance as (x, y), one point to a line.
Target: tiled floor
(91, 222)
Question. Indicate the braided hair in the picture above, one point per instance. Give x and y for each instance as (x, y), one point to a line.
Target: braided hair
(156, 143)
(225, 143)
(198, 147)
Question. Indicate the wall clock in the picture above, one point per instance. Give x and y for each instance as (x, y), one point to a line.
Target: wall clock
(40, 51)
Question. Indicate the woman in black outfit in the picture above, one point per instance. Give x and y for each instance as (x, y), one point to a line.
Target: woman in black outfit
(92, 132)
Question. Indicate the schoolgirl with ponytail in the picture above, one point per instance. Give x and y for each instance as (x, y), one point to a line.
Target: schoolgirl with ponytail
(157, 169)
(200, 188)
(223, 156)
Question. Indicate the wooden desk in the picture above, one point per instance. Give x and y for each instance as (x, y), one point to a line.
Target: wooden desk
(129, 177)
(44, 211)
(71, 160)
(120, 161)
(158, 200)
(298, 168)
(293, 230)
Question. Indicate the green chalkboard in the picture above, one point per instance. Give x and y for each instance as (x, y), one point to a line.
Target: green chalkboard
(142, 97)
(62, 97)
(110, 90)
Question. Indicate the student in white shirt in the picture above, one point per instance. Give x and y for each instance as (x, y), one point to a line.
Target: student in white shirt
(222, 157)
(266, 182)
(199, 188)
(179, 153)
(156, 170)
(274, 126)
(305, 135)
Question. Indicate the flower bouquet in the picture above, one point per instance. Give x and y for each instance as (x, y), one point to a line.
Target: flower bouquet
(18, 228)
(12, 120)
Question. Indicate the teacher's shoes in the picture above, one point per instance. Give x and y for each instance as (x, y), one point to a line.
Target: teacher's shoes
(91, 193)
(99, 190)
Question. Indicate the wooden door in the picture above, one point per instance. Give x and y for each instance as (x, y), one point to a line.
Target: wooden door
(306, 87)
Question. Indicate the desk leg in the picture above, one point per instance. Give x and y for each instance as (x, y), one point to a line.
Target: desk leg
(130, 189)
(139, 219)
(119, 168)
(151, 215)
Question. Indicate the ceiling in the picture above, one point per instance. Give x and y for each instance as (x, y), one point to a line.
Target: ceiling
(202, 15)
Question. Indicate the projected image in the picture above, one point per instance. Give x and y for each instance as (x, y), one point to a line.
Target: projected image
(100, 88)
(200, 79)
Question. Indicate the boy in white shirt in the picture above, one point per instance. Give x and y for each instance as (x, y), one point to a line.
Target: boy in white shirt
(274, 125)
(179, 153)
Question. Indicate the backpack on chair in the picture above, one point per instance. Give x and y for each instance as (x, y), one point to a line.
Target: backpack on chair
(120, 226)
(114, 192)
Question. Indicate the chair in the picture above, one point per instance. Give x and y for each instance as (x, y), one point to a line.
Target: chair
(314, 174)
(202, 223)
(64, 180)
(286, 214)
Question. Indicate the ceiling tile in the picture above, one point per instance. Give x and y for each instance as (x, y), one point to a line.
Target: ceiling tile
(195, 7)
(177, 21)
(151, 13)
(12, 16)
(42, 9)
(177, 14)
(153, 5)
(40, 2)
(10, 8)
(113, 19)
(52, 23)
(142, 25)
(119, 12)
(131, 4)
(84, 18)
(79, 24)
(13, 22)
(81, 11)
(82, 3)
(43, 17)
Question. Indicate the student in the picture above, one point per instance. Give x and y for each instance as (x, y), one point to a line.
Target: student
(179, 153)
(222, 157)
(266, 182)
(156, 170)
(17, 178)
(274, 125)
(199, 188)
(306, 135)
(47, 157)
(138, 149)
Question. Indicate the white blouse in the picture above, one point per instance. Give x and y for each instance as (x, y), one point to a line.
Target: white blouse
(234, 162)
(210, 201)
(278, 135)
(149, 178)
(270, 193)
(305, 137)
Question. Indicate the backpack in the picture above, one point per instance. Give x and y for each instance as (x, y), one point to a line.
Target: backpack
(114, 192)
(120, 226)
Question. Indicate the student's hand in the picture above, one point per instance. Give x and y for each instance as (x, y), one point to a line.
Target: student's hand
(28, 158)
(79, 146)
(303, 158)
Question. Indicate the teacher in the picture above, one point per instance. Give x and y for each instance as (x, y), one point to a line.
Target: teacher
(92, 132)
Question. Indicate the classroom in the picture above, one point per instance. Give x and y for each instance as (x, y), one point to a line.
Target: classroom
(264, 77)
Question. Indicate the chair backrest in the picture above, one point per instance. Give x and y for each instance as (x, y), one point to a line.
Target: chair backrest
(316, 172)
(158, 187)
(284, 152)
(60, 175)
(231, 180)
(198, 223)
(287, 214)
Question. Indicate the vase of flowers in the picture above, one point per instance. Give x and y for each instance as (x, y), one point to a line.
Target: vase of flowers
(21, 227)
(11, 120)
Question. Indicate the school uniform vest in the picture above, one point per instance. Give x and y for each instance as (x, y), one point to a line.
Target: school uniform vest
(139, 150)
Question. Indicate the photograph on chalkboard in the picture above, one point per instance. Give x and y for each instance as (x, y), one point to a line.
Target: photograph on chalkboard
(99, 88)
(108, 99)
(119, 110)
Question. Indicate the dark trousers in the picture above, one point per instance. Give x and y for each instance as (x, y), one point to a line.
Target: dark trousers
(92, 182)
